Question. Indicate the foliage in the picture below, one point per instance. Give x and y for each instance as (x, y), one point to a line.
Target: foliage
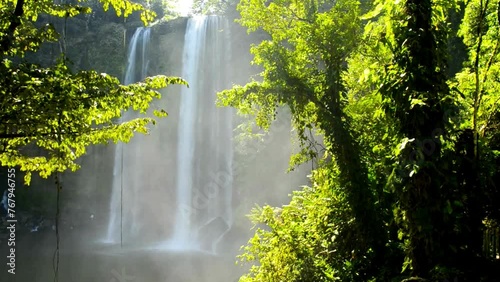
(416, 95)
(288, 251)
(210, 7)
(304, 61)
(53, 108)
(481, 33)
(408, 178)
(478, 86)
(164, 9)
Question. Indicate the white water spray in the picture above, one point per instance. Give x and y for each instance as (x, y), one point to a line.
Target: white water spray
(201, 212)
(204, 157)
(140, 38)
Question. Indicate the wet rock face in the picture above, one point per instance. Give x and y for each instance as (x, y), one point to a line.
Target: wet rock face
(167, 44)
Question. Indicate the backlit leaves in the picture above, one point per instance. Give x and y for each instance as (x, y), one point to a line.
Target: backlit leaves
(50, 115)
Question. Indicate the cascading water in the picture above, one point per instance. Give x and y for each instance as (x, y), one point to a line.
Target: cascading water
(204, 156)
(203, 173)
(140, 39)
(172, 188)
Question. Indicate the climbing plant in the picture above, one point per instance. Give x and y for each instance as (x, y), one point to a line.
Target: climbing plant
(406, 186)
(303, 65)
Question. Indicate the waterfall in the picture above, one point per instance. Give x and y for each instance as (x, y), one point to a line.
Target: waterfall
(204, 156)
(197, 178)
(140, 39)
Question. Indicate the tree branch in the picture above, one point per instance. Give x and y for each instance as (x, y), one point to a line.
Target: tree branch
(6, 41)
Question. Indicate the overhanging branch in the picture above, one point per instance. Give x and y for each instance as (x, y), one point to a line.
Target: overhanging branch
(6, 41)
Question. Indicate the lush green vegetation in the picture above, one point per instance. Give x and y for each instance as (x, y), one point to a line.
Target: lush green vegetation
(405, 95)
(51, 112)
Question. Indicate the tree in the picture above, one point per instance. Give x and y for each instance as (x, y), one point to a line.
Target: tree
(417, 90)
(413, 150)
(478, 86)
(303, 61)
(442, 179)
(218, 7)
(302, 236)
(52, 108)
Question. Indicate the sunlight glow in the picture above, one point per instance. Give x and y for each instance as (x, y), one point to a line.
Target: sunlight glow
(184, 7)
